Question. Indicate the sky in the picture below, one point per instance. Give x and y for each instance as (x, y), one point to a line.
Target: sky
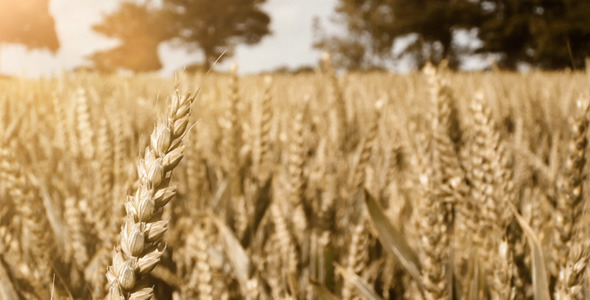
(289, 44)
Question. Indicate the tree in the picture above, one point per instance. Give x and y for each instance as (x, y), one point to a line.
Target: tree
(374, 25)
(140, 32)
(29, 23)
(549, 34)
(347, 52)
(211, 26)
(214, 26)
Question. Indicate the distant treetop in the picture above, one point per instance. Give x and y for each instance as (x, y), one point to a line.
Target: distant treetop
(550, 34)
(138, 28)
(212, 27)
(29, 23)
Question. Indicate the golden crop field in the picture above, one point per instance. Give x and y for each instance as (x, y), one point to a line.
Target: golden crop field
(434, 185)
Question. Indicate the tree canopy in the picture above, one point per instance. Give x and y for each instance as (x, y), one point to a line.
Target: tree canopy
(211, 27)
(542, 33)
(216, 26)
(138, 28)
(29, 23)
(550, 34)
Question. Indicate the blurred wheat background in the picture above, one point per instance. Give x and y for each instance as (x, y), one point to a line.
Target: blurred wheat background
(435, 185)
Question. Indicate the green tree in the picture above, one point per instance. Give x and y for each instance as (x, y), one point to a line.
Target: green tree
(138, 28)
(29, 23)
(214, 26)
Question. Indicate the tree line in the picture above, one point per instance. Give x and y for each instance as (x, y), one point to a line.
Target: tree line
(548, 34)
(211, 27)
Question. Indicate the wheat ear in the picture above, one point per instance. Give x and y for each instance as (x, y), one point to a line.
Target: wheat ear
(570, 203)
(84, 124)
(141, 245)
(199, 280)
(446, 187)
(490, 193)
(358, 256)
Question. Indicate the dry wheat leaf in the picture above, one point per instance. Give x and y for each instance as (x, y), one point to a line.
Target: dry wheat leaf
(391, 239)
(540, 284)
(361, 285)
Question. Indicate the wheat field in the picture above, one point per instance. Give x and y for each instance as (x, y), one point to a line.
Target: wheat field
(432, 185)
